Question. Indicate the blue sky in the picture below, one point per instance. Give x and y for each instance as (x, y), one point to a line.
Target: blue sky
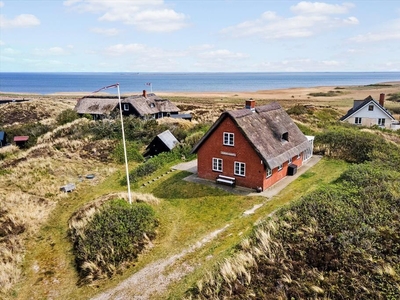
(199, 36)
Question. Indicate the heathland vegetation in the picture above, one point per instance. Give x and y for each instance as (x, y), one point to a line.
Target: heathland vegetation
(332, 234)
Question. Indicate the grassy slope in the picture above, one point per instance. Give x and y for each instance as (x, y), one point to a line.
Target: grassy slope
(48, 269)
(188, 212)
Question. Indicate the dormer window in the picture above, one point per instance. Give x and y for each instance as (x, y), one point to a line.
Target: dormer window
(126, 107)
(285, 137)
(152, 105)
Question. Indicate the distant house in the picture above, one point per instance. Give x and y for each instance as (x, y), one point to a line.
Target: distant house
(21, 141)
(163, 142)
(368, 113)
(3, 139)
(145, 106)
(253, 147)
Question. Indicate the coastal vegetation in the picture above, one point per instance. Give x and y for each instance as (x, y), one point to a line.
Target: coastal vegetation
(328, 233)
(333, 243)
(110, 236)
(326, 94)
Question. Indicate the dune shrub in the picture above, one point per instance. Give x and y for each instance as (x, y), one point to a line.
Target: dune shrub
(67, 116)
(114, 237)
(341, 241)
(132, 152)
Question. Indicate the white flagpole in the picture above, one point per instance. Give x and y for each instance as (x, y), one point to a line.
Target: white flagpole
(123, 140)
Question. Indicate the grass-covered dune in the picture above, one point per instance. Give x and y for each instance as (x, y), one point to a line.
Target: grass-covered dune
(339, 242)
(38, 257)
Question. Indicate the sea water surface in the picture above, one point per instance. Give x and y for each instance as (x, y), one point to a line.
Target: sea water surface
(50, 83)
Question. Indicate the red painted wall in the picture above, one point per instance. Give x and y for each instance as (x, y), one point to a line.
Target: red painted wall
(242, 152)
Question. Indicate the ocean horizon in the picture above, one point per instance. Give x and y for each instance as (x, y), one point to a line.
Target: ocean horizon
(134, 82)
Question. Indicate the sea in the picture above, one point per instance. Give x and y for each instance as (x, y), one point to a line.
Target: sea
(132, 82)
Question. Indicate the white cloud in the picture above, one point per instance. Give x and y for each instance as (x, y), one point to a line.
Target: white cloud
(222, 54)
(53, 51)
(388, 32)
(121, 49)
(2, 43)
(201, 47)
(331, 63)
(1, 3)
(9, 51)
(320, 8)
(142, 50)
(310, 19)
(376, 37)
(148, 15)
(23, 20)
(105, 31)
(164, 20)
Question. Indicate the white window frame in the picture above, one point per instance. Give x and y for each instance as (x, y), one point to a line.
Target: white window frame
(217, 164)
(381, 121)
(126, 107)
(290, 161)
(280, 167)
(371, 107)
(269, 172)
(299, 156)
(357, 120)
(229, 139)
(240, 168)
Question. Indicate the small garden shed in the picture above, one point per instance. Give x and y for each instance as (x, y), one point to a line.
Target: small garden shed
(163, 142)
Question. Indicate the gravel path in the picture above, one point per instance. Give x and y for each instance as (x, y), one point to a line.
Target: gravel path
(154, 279)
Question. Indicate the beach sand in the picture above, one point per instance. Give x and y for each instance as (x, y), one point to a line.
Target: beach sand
(341, 97)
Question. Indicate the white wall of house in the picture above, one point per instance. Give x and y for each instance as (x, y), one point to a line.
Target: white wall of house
(370, 115)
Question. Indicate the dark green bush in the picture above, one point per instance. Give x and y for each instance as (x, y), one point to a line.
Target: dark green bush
(33, 130)
(132, 152)
(326, 94)
(349, 144)
(115, 236)
(67, 116)
(298, 110)
(181, 151)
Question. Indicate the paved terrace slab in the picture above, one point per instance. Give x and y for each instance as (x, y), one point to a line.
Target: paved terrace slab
(191, 166)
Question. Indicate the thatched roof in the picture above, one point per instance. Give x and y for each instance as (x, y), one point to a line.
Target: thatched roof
(96, 105)
(149, 105)
(265, 129)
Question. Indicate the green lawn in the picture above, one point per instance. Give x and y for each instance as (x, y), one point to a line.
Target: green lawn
(187, 212)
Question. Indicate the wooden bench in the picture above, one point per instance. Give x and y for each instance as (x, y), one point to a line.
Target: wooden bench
(68, 187)
(226, 180)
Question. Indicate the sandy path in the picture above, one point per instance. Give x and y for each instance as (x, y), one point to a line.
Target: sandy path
(153, 278)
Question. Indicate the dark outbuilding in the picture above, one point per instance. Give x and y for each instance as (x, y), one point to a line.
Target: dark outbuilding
(3, 139)
(163, 142)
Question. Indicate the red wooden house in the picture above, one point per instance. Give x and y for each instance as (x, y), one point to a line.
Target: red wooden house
(253, 147)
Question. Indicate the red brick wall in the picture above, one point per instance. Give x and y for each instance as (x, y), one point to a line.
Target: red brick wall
(242, 152)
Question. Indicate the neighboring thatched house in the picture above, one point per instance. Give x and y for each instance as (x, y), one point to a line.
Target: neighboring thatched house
(253, 147)
(163, 142)
(145, 106)
(368, 113)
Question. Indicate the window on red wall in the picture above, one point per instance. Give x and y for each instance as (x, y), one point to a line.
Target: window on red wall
(240, 168)
(217, 164)
(269, 172)
(229, 139)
